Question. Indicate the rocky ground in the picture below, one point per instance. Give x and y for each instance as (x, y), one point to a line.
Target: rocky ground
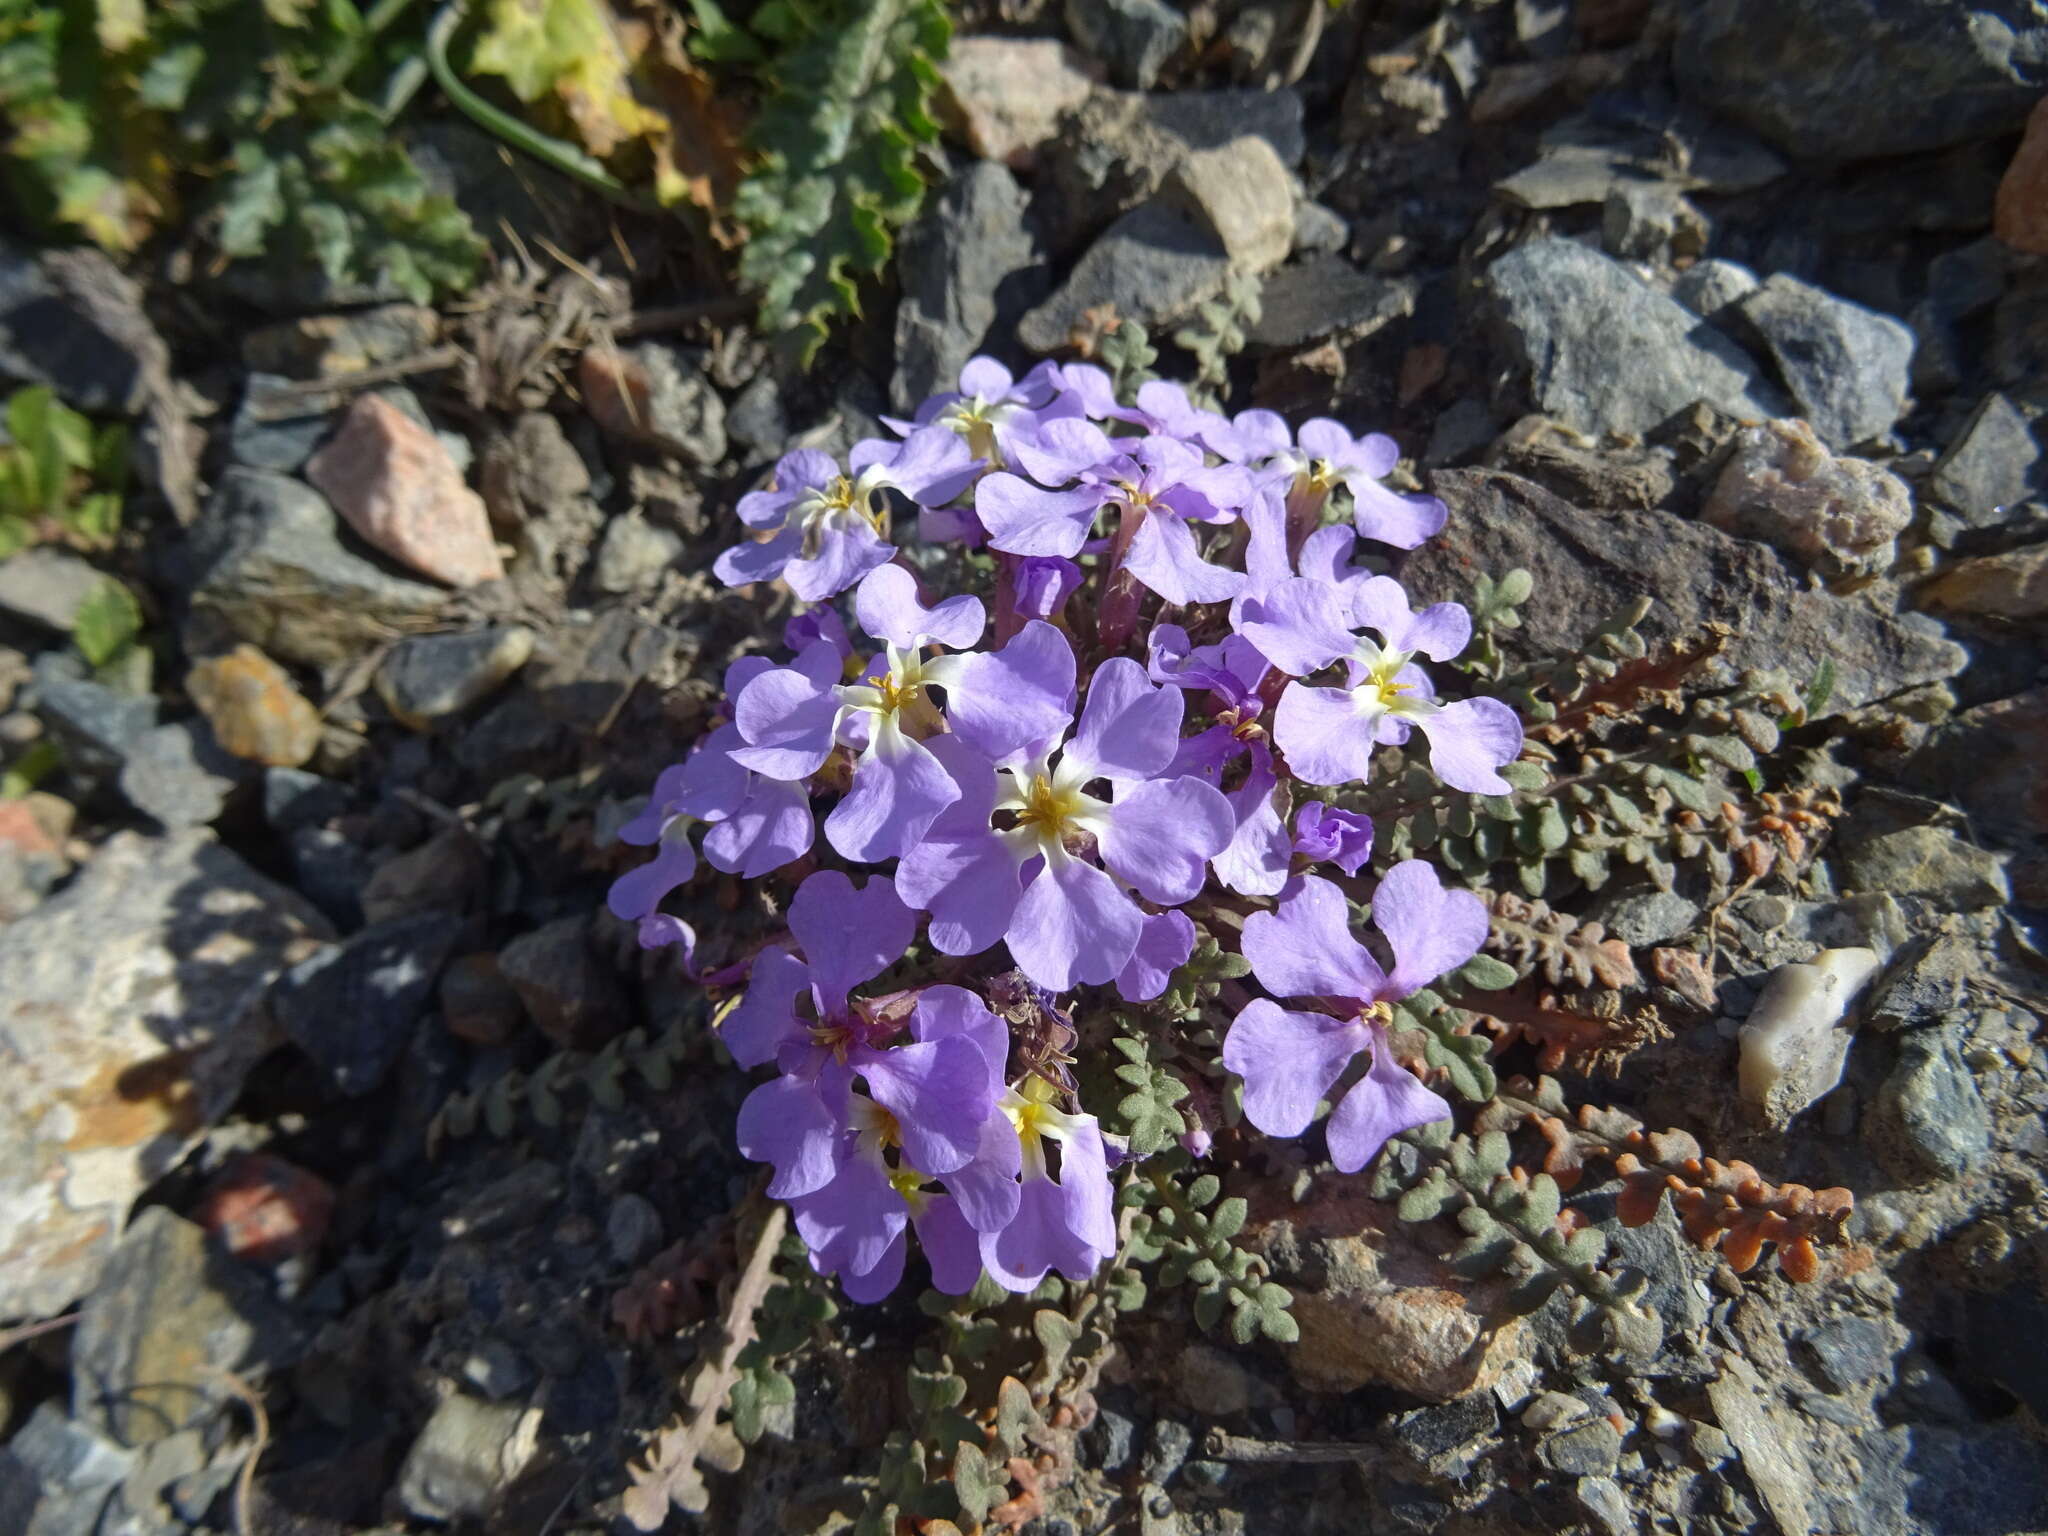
(340, 1123)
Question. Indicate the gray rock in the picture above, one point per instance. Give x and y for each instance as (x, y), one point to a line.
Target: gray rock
(1927, 861)
(969, 260)
(331, 869)
(1242, 192)
(1211, 119)
(1969, 279)
(1644, 919)
(1849, 1351)
(1135, 38)
(93, 725)
(353, 1007)
(1111, 1439)
(1991, 466)
(531, 471)
(1923, 984)
(429, 677)
(294, 798)
(70, 319)
(1602, 1498)
(69, 1454)
(1642, 220)
(1328, 296)
(271, 567)
(466, 1458)
(1443, 1428)
(168, 1312)
(1319, 230)
(1153, 265)
(2019, 331)
(274, 430)
(134, 1012)
(756, 419)
(1166, 1447)
(1708, 287)
(496, 1369)
(1569, 176)
(1594, 346)
(632, 1228)
(571, 993)
(1853, 79)
(1585, 1450)
(1544, 27)
(1928, 1119)
(322, 346)
(1838, 516)
(1847, 366)
(633, 554)
(1587, 563)
(657, 395)
(47, 586)
(1459, 433)
(1974, 1481)
(179, 775)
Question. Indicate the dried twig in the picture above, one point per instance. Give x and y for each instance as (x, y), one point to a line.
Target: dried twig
(671, 1475)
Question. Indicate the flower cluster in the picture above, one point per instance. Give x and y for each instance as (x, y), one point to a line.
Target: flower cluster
(1059, 789)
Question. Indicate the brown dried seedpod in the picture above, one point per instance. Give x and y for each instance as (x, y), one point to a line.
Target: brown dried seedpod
(1729, 1206)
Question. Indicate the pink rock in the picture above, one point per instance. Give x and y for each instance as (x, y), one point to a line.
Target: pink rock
(395, 484)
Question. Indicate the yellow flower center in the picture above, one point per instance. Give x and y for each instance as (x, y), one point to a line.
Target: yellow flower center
(1047, 811)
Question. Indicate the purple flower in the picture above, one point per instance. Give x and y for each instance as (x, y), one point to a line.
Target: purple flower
(1032, 882)
(1032, 587)
(937, 1091)
(830, 528)
(991, 409)
(854, 1225)
(1064, 1221)
(1164, 944)
(1325, 555)
(1325, 834)
(792, 717)
(1290, 1060)
(1161, 482)
(1255, 863)
(1328, 456)
(1328, 734)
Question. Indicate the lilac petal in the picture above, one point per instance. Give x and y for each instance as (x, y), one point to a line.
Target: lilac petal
(765, 831)
(986, 1187)
(1041, 584)
(1322, 438)
(646, 828)
(1018, 700)
(1164, 556)
(1161, 835)
(1432, 930)
(1441, 632)
(851, 1223)
(785, 1122)
(1260, 852)
(1164, 944)
(744, 669)
(813, 625)
(639, 891)
(1061, 449)
(1320, 732)
(711, 785)
(951, 1246)
(809, 469)
(1092, 388)
(848, 935)
(1385, 1102)
(846, 552)
(1326, 556)
(1263, 433)
(1206, 754)
(768, 509)
(1022, 519)
(1073, 927)
(1300, 626)
(1288, 1061)
(1468, 743)
(931, 466)
(766, 1017)
(1222, 489)
(1039, 388)
(1129, 726)
(949, 525)
(1381, 603)
(866, 1287)
(1305, 949)
(888, 609)
(1265, 552)
(1035, 1240)
(745, 564)
(954, 1013)
(1329, 835)
(1391, 518)
(787, 720)
(940, 1093)
(660, 929)
(986, 377)
(1085, 1191)
(898, 789)
(961, 872)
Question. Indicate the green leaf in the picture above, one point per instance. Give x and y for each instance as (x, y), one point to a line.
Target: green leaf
(1484, 973)
(108, 621)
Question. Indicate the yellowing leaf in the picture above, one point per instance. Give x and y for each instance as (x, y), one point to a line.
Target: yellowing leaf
(120, 24)
(571, 49)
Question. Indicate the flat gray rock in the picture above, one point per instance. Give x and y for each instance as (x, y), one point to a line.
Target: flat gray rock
(1848, 367)
(1153, 265)
(132, 1010)
(1856, 79)
(1597, 348)
(47, 586)
(1588, 563)
(1992, 465)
